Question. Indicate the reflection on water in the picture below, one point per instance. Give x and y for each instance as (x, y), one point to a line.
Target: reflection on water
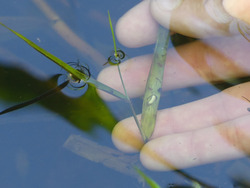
(220, 61)
(108, 157)
(81, 112)
(36, 99)
(76, 87)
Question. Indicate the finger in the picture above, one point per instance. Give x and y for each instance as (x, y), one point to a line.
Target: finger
(131, 27)
(225, 141)
(192, 18)
(135, 72)
(214, 110)
(188, 17)
(187, 65)
(238, 9)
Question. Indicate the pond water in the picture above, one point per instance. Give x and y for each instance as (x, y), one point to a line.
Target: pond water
(65, 141)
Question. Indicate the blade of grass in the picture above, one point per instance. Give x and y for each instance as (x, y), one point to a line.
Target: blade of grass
(48, 55)
(123, 85)
(154, 83)
(113, 35)
(130, 104)
(67, 67)
(149, 180)
(105, 88)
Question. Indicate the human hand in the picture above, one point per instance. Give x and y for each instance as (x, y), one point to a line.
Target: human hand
(208, 130)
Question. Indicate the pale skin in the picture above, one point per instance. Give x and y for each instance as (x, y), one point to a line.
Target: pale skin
(212, 129)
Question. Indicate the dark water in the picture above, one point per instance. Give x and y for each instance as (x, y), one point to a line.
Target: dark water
(63, 141)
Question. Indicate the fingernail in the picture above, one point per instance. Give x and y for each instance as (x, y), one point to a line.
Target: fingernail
(238, 9)
(168, 5)
(216, 11)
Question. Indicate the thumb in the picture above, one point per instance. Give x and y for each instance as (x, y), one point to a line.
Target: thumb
(192, 18)
(238, 9)
(163, 9)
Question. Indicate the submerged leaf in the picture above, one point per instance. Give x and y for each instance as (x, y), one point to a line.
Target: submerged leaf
(36, 99)
(18, 86)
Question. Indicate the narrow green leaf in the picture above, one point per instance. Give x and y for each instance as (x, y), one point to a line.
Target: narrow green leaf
(49, 55)
(154, 83)
(149, 180)
(67, 67)
(117, 57)
(113, 35)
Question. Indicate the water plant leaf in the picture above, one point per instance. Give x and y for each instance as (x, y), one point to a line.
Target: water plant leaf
(47, 54)
(154, 83)
(67, 67)
(36, 99)
(113, 35)
(117, 60)
(149, 180)
(18, 85)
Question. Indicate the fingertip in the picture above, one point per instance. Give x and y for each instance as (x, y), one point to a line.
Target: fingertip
(134, 74)
(161, 10)
(124, 30)
(166, 5)
(108, 76)
(150, 159)
(137, 28)
(201, 20)
(238, 9)
(125, 136)
(170, 152)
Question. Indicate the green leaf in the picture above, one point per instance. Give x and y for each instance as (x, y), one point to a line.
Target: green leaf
(49, 55)
(149, 181)
(154, 83)
(18, 86)
(113, 35)
(120, 74)
(67, 67)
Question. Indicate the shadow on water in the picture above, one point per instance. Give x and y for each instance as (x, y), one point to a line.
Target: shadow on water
(18, 86)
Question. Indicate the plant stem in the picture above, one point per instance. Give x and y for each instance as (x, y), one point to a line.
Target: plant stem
(105, 88)
(130, 104)
(123, 85)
